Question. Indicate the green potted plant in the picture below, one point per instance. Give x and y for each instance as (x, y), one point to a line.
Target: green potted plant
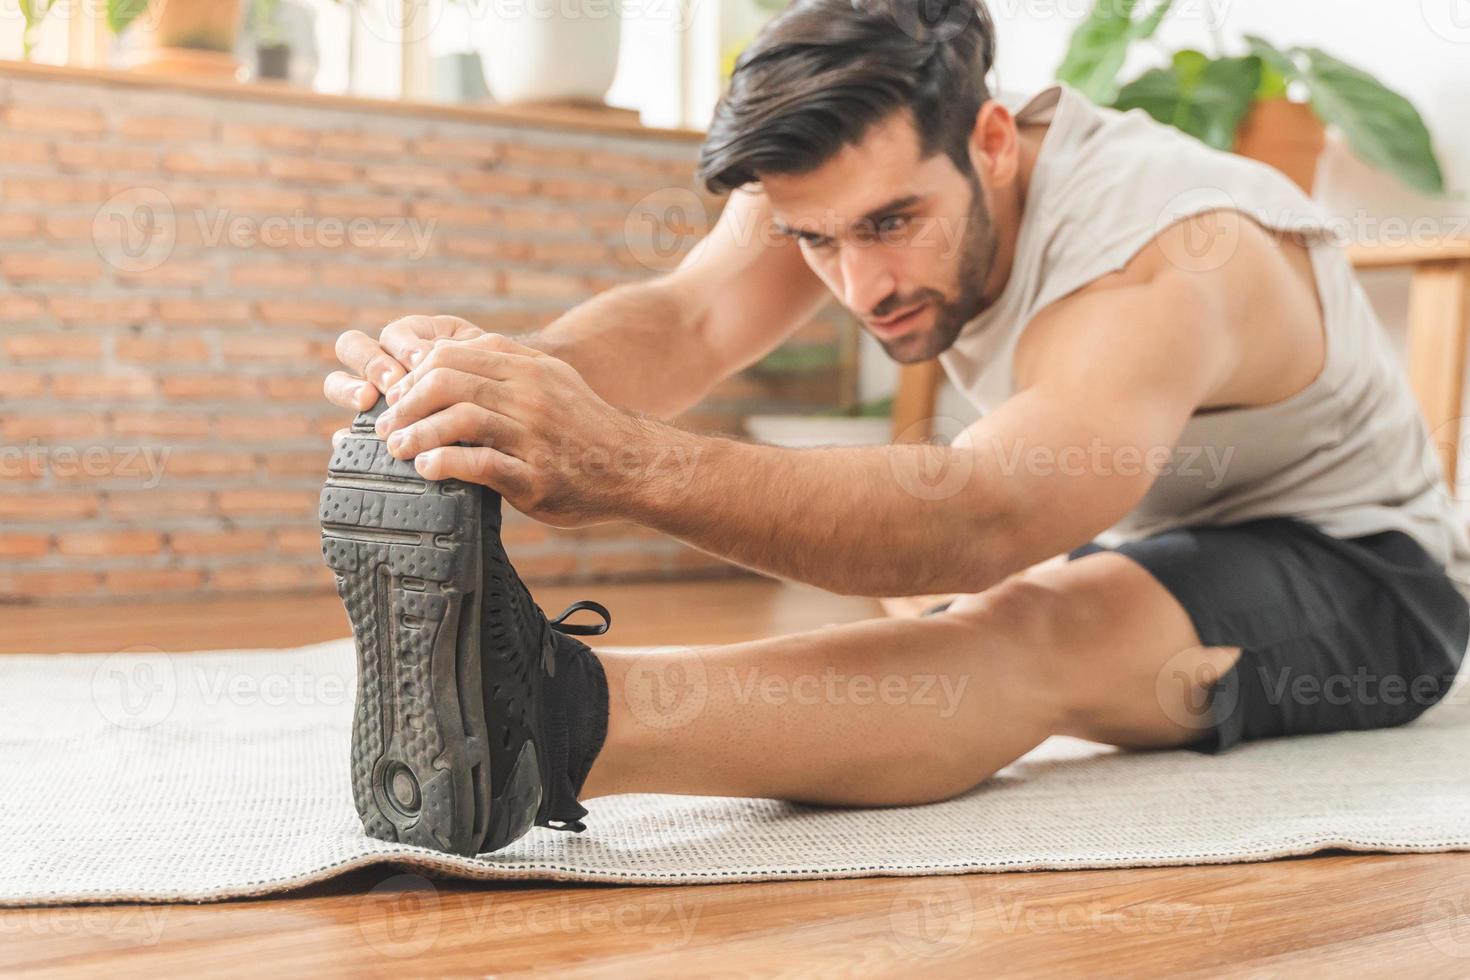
(194, 38)
(272, 52)
(1268, 103)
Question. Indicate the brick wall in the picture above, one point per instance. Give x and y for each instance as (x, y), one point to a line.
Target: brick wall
(176, 263)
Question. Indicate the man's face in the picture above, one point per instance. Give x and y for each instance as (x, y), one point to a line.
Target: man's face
(906, 243)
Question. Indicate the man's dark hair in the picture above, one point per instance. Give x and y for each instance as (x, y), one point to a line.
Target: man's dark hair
(823, 71)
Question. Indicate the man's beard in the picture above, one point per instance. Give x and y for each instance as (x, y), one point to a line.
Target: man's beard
(978, 250)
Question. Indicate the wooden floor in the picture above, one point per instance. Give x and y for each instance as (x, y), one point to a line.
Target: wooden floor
(1352, 915)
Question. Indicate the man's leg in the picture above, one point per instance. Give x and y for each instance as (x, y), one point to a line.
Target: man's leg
(894, 712)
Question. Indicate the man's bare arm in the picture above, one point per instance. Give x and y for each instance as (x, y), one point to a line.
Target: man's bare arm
(654, 347)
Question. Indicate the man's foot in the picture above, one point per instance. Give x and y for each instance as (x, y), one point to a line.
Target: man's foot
(476, 717)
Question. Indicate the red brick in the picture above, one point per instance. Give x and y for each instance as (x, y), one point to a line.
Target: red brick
(52, 347)
(24, 545)
(297, 463)
(270, 347)
(212, 313)
(153, 350)
(494, 182)
(14, 306)
(260, 427)
(630, 563)
(210, 164)
(298, 540)
(160, 425)
(523, 282)
(407, 178)
(277, 275)
(48, 584)
(19, 508)
(107, 544)
(311, 170)
(443, 148)
(152, 580)
(541, 220)
(456, 213)
(53, 119)
(102, 387)
(16, 385)
(544, 156)
(96, 463)
(153, 128)
(174, 272)
(100, 312)
(106, 158)
(358, 145)
(38, 267)
(16, 149)
(269, 199)
(334, 315)
(69, 229)
(213, 387)
(193, 463)
(547, 568)
(236, 542)
(19, 226)
(52, 426)
(270, 578)
(276, 137)
(365, 277)
(155, 504)
(69, 191)
(254, 503)
(360, 206)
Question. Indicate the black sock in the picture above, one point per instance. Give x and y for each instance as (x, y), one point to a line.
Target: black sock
(574, 718)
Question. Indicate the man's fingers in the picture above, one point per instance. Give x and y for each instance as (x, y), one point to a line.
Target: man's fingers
(509, 476)
(363, 356)
(339, 436)
(460, 357)
(409, 339)
(439, 389)
(343, 389)
(461, 423)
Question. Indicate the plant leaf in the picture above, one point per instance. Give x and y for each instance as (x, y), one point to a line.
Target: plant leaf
(1381, 126)
(1273, 57)
(122, 13)
(1099, 45)
(1207, 98)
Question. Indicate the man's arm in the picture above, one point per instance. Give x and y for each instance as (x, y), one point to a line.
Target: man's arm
(1108, 390)
(654, 347)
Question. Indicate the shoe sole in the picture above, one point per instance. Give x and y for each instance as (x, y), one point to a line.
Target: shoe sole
(407, 557)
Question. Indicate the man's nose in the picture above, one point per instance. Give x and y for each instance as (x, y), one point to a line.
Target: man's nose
(866, 279)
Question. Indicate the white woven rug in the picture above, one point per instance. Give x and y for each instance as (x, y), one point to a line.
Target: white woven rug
(146, 777)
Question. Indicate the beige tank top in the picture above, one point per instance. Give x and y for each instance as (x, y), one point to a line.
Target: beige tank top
(1349, 453)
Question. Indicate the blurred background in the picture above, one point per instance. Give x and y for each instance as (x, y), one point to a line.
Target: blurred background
(198, 197)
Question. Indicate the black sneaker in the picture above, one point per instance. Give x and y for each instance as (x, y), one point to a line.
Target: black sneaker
(452, 746)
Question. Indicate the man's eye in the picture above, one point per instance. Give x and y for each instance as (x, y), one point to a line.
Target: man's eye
(893, 223)
(814, 241)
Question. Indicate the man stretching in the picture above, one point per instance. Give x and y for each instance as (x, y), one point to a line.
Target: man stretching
(1164, 344)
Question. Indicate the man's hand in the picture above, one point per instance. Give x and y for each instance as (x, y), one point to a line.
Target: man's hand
(376, 365)
(494, 412)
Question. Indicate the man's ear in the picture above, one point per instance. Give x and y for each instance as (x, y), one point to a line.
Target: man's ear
(995, 145)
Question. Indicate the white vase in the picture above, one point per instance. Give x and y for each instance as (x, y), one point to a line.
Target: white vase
(551, 50)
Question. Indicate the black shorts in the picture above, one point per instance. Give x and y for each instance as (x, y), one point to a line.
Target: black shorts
(1334, 634)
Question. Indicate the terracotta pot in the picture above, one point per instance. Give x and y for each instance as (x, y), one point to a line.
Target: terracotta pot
(188, 37)
(1285, 135)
